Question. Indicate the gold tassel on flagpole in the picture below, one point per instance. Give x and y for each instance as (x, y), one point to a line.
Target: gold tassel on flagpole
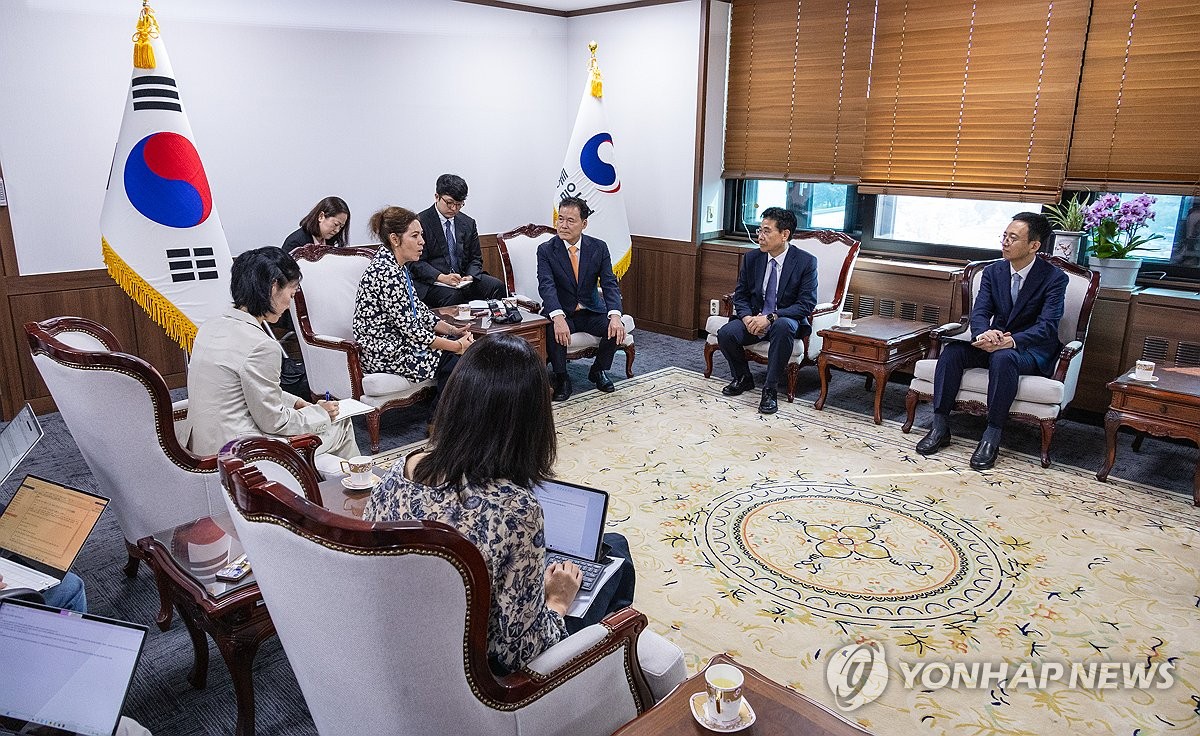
(594, 76)
(160, 309)
(147, 28)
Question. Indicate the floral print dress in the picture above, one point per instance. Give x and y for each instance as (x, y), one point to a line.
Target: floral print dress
(392, 326)
(505, 522)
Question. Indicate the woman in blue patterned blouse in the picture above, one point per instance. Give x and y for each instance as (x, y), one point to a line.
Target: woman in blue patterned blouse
(493, 434)
(396, 331)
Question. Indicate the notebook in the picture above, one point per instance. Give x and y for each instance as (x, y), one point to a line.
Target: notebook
(64, 673)
(46, 525)
(17, 439)
(574, 529)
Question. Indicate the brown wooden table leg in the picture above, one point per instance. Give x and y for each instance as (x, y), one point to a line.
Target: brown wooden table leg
(1196, 484)
(239, 657)
(823, 372)
(198, 676)
(1112, 421)
(881, 378)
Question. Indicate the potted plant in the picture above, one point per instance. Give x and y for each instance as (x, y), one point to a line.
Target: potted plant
(1112, 227)
(1068, 221)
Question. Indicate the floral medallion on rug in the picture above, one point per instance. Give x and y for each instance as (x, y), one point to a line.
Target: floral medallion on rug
(782, 539)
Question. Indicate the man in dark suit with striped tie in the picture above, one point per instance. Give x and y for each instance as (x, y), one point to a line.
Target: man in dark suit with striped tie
(569, 268)
(452, 251)
(1014, 324)
(775, 296)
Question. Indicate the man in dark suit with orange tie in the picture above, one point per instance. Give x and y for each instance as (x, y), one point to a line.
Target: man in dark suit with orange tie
(570, 265)
(775, 296)
(452, 251)
(1014, 324)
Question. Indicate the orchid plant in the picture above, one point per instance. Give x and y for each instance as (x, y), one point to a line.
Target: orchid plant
(1113, 225)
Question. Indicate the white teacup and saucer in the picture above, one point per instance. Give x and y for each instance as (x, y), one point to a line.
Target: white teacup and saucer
(360, 473)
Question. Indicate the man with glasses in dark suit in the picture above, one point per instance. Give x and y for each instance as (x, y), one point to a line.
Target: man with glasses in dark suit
(775, 296)
(452, 252)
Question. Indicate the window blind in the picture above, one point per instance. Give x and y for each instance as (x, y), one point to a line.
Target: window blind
(1137, 126)
(973, 99)
(797, 95)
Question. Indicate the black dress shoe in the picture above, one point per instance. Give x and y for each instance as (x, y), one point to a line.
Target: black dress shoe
(769, 404)
(984, 456)
(562, 388)
(933, 442)
(739, 386)
(602, 381)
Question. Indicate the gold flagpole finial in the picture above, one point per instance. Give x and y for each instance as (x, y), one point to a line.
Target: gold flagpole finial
(594, 76)
(147, 28)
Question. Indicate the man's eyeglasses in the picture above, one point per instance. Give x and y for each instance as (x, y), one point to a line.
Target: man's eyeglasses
(452, 203)
(764, 230)
(1010, 238)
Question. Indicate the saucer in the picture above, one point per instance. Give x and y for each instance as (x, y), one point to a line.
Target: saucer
(352, 487)
(745, 715)
(1151, 379)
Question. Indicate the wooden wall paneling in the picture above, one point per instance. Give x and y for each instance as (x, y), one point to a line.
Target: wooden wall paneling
(491, 255)
(1102, 357)
(1162, 328)
(107, 305)
(921, 292)
(660, 288)
(719, 264)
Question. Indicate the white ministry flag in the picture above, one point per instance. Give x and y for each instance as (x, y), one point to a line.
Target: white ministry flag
(160, 234)
(590, 171)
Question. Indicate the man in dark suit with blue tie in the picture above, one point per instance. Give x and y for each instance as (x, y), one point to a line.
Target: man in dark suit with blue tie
(1014, 324)
(569, 267)
(775, 296)
(452, 251)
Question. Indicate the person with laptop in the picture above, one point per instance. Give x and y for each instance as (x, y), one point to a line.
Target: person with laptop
(491, 443)
(69, 594)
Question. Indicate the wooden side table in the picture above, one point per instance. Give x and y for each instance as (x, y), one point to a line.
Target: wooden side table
(531, 328)
(1168, 407)
(184, 560)
(778, 710)
(876, 346)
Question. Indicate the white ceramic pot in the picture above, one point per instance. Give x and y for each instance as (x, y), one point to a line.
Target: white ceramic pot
(1066, 244)
(1116, 273)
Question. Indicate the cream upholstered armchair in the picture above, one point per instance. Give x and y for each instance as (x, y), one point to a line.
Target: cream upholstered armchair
(1040, 401)
(836, 254)
(119, 413)
(386, 624)
(518, 253)
(324, 315)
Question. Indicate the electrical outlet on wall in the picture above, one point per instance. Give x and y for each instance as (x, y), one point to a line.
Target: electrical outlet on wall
(710, 214)
(714, 306)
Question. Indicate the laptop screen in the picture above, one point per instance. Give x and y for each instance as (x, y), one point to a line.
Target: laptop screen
(47, 523)
(574, 518)
(16, 440)
(65, 670)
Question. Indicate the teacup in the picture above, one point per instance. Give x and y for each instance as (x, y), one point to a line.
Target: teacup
(846, 319)
(464, 312)
(1143, 370)
(359, 469)
(724, 685)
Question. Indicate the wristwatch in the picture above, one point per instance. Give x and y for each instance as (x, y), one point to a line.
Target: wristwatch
(771, 318)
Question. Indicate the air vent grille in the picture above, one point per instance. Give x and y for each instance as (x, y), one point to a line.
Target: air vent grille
(887, 307)
(1155, 348)
(1187, 355)
(866, 306)
(908, 311)
(931, 314)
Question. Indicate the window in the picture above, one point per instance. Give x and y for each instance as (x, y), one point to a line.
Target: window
(970, 223)
(816, 206)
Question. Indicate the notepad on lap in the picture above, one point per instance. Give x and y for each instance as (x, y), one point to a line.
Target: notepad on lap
(466, 281)
(45, 524)
(351, 408)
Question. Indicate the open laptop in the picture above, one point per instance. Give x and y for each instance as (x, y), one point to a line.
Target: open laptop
(574, 526)
(17, 439)
(45, 524)
(64, 673)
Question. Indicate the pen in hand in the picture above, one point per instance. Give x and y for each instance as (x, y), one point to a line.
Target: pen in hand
(328, 397)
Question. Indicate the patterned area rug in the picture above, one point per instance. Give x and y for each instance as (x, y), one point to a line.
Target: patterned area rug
(783, 539)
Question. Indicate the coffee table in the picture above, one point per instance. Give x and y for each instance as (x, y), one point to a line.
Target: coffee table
(778, 710)
(876, 346)
(184, 560)
(1168, 407)
(532, 327)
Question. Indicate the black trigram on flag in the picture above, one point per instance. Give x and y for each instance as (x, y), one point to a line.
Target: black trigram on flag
(155, 93)
(192, 264)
